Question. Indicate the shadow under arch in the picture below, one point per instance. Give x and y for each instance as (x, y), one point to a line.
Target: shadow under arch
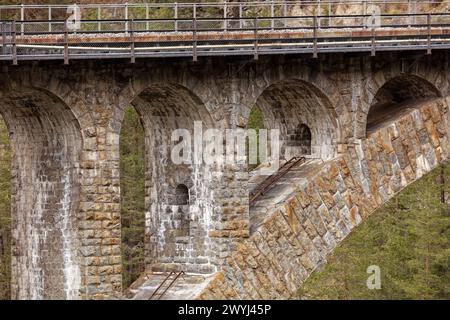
(287, 104)
(46, 143)
(399, 94)
(169, 244)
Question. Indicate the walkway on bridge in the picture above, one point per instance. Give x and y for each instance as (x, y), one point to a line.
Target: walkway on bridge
(268, 30)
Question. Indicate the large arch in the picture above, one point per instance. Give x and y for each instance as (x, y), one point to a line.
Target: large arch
(288, 104)
(46, 143)
(399, 93)
(176, 235)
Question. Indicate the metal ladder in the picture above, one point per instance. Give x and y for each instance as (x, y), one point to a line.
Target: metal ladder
(268, 183)
(162, 288)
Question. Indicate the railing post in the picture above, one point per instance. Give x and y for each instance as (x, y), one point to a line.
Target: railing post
(315, 37)
(147, 16)
(3, 39)
(255, 35)
(364, 8)
(330, 8)
(410, 13)
(272, 14)
(429, 33)
(22, 18)
(133, 56)
(14, 45)
(194, 38)
(240, 15)
(126, 17)
(225, 22)
(285, 13)
(175, 14)
(66, 44)
(99, 17)
(319, 13)
(194, 10)
(49, 19)
(373, 48)
(414, 12)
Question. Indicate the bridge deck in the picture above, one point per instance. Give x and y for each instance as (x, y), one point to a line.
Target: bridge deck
(50, 40)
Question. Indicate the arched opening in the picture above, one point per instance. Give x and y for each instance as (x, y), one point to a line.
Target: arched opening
(5, 213)
(396, 96)
(46, 142)
(307, 127)
(255, 122)
(132, 197)
(182, 205)
(301, 139)
(304, 117)
(178, 190)
(182, 195)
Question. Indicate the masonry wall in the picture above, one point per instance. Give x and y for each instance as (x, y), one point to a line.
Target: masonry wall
(296, 238)
(65, 124)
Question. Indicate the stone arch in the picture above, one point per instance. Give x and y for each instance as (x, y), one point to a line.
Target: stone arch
(288, 104)
(46, 144)
(398, 93)
(163, 108)
(417, 70)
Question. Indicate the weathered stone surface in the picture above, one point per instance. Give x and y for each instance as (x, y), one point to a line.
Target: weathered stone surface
(65, 122)
(324, 227)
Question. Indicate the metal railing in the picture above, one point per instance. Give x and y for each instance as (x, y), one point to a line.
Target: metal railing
(268, 183)
(194, 37)
(183, 10)
(166, 284)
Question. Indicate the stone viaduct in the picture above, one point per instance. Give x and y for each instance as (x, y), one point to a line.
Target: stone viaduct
(376, 125)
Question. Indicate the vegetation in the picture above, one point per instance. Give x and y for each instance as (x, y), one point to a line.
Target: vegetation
(132, 171)
(5, 213)
(408, 238)
(255, 121)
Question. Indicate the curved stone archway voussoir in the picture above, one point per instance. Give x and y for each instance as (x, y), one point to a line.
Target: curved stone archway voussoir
(424, 82)
(288, 104)
(396, 94)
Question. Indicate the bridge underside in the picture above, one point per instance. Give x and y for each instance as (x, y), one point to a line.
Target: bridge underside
(368, 127)
(46, 143)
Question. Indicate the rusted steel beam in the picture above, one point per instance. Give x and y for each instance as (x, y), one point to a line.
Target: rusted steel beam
(217, 36)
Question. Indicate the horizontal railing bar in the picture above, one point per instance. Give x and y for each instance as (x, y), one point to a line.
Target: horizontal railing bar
(189, 4)
(236, 29)
(188, 31)
(237, 18)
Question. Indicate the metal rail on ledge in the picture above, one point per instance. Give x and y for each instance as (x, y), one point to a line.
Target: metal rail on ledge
(267, 184)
